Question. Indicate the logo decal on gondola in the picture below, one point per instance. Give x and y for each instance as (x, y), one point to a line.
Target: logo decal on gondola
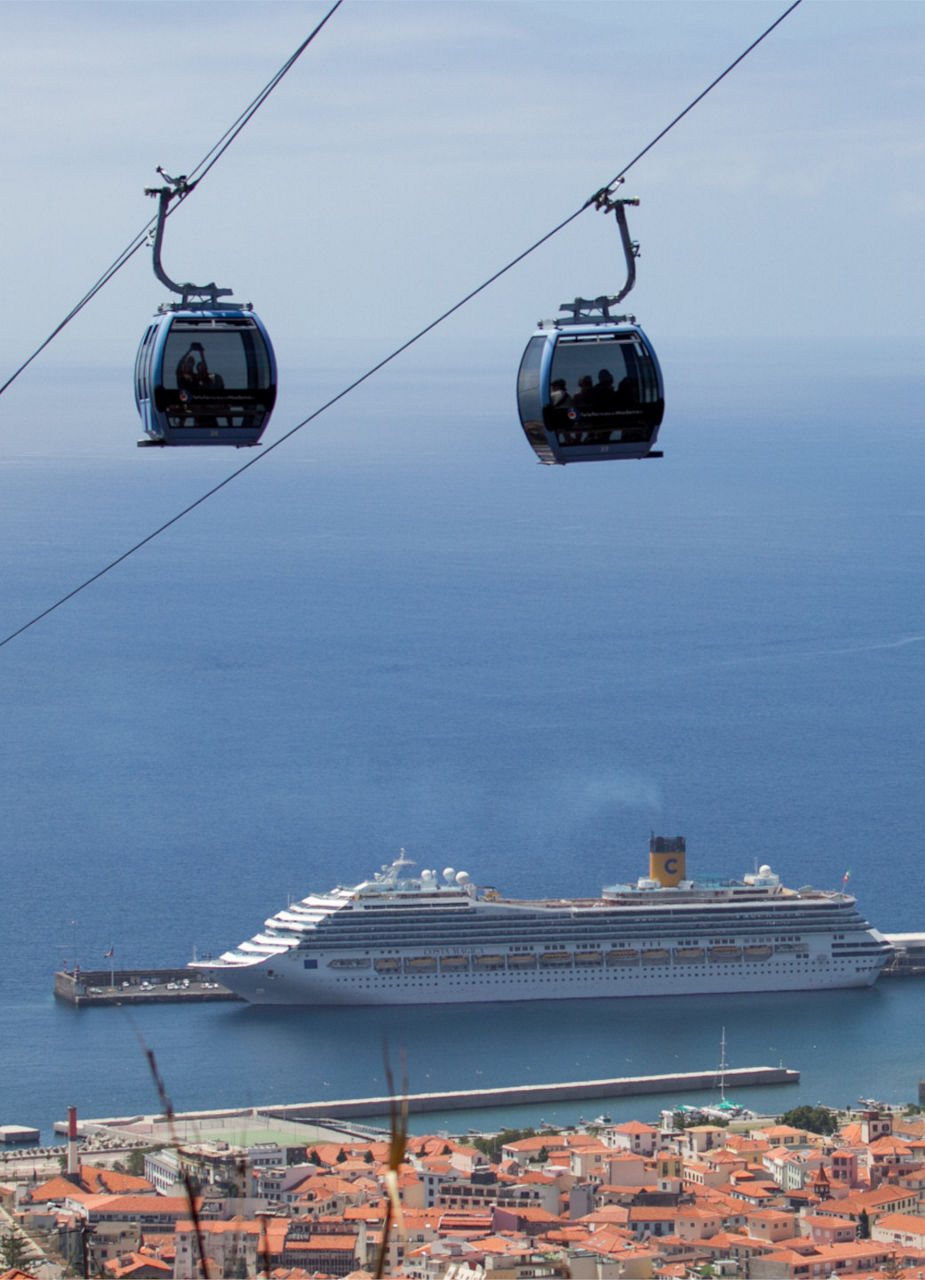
(184, 396)
(573, 416)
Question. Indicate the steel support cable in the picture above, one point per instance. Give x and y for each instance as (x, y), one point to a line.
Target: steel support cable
(216, 153)
(700, 97)
(364, 377)
(212, 156)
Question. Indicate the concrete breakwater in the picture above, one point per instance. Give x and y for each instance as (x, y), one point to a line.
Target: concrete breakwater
(466, 1099)
(147, 1128)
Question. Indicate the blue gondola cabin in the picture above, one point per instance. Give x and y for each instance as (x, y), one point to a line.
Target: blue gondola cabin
(205, 377)
(590, 392)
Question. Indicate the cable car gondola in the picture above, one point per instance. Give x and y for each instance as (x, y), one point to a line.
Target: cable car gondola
(205, 373)
(589, 387)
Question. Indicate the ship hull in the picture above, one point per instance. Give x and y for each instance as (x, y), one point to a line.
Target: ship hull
(285, 982)
(400, 939)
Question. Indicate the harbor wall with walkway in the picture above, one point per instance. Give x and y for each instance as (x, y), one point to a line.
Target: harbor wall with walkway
(461, 1099)
(185, 1124)
(465, 1099)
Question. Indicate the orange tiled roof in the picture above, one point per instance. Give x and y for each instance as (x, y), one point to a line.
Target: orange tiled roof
(608, 1213)
(874, 1199)
(224, 1226)
(506, 1245)
(432, 1146)
(850, 1135)
(111, 1180)
(887, 1144)
(524, 1145)
(912, 1223)
(319, 1242)
(652, 1213)
(374, 1212)
(131, 1206)
(624, 1189)
(57, 1188)
(129, 1264)
(568, 1235)
(609, 1240)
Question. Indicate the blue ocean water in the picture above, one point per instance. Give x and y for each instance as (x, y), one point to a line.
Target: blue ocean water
(396, 631)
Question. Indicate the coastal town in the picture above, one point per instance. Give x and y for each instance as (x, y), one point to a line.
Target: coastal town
(813, 1193)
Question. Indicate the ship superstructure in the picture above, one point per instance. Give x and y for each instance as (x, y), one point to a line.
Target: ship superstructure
(427, 938)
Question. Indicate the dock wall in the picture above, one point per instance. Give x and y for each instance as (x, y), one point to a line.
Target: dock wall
(460, 1099)
(135, 986)
(469, 1099)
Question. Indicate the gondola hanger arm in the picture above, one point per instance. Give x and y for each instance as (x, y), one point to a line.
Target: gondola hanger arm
(178, 188)
(594, 310)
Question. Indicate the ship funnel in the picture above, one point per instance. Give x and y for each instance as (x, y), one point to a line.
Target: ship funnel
(666, 860)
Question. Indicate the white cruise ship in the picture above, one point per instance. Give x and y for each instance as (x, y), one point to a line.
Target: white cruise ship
(432, 938)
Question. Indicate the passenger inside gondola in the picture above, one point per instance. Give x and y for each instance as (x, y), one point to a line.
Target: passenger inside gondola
(604, 393)
(559, 395)
(584, 395)
(186, 371)
(622, 405)
(627, 393)
(223, 379)
(568, 415)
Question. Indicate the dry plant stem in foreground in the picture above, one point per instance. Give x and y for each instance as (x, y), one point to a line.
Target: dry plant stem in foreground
(188, 1188)
(398, 1134)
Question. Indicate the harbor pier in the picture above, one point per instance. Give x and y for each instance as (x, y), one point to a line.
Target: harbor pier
(377, 1108)
(136, 986)
(469, 1099)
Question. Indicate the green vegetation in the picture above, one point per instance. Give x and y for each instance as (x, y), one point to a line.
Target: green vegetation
(491, 1146)
(812, 1119)
(689, 1119)
(135, 1161)
(894, 1269)
(12, 1250)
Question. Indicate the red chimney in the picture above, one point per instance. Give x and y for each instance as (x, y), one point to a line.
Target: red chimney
(72, 1160)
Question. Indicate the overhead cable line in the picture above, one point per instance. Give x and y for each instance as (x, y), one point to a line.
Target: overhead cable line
(700, 97)
(212, 156)
(364, 377)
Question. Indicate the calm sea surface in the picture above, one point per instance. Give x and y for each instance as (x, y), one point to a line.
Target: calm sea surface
(399, 631)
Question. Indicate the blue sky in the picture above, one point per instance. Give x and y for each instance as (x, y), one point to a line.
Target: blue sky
(420, 144)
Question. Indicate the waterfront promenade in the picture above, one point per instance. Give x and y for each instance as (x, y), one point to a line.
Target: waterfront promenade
(465, 1099)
